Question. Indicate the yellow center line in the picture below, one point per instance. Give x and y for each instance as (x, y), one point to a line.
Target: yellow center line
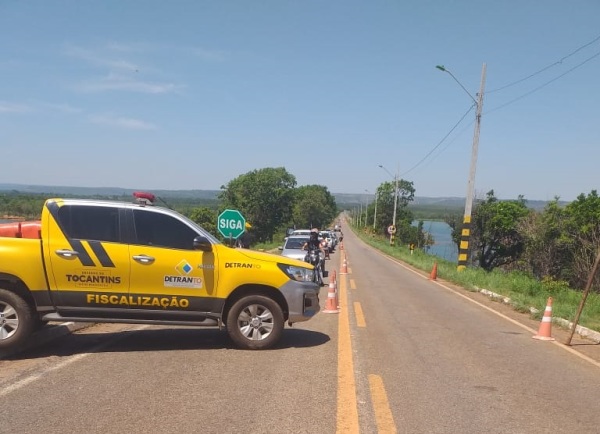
(360, 318)
(347, 408)
(381, 405)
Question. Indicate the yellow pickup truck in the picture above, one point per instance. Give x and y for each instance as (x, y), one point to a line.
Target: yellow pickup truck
(101, 261)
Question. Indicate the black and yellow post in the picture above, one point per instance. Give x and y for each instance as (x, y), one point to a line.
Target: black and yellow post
(463, 254)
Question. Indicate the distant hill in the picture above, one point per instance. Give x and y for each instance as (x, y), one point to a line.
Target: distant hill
(105, 191)
(343, 200)
(425, 203)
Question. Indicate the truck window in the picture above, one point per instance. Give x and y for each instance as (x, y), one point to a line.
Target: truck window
(90, 222)
(161, 230)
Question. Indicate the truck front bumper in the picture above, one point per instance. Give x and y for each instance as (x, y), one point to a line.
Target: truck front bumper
(302, 300)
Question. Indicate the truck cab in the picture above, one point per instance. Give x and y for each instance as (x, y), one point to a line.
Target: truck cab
(102, 261)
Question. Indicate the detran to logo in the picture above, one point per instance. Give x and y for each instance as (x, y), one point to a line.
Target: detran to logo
(184, 268)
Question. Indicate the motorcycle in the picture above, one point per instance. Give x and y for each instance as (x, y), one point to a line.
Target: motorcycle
(313, 257)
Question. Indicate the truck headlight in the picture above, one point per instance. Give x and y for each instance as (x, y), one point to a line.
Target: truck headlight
(301, 274)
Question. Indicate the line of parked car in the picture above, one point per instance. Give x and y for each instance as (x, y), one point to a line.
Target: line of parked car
(293, 243)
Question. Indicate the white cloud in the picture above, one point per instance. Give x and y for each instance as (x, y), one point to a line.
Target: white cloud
(61, 108)
(120, 74)
(7, 107)
(121, 122)
(209, 55)
(114, 82)
(99, 60)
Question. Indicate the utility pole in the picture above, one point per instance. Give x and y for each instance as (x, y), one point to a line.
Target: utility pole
(396, 176)
(375, 213)
(463, 254)
(366, 207)
(395, 208)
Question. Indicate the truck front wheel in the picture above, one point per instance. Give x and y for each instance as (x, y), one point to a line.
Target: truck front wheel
(255, 322)
(16, 320)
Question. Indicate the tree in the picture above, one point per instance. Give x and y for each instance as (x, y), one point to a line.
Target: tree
(207, 218)
(495, 239)
(584, 233)
(313, 206)
(264, 197)
(547, 246)
(385, 204)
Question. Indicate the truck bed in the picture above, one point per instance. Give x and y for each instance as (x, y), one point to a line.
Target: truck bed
(29, 229)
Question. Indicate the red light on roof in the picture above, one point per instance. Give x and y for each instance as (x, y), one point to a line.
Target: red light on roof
(142, 195)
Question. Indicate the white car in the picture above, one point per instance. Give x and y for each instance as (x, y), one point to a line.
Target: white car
(292, 247)
(301, 232)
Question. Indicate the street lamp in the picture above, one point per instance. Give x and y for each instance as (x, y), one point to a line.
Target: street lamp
(463, 254)
(395, 201)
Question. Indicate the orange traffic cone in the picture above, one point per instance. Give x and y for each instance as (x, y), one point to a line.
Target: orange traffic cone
(545, 330)
(331, 306)
(344, 269)
(337, 298)
(433, 275)
(341, 245)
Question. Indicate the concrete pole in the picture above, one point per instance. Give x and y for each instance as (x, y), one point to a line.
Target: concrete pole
(375, 213)
(392, 236)
(463, 255)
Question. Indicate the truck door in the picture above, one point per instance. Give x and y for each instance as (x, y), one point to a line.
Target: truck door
(169, 278)
(87, 265)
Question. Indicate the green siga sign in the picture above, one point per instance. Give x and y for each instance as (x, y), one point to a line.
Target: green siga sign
(231, 223)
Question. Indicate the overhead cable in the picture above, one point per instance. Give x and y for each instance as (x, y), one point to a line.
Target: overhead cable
(545, 84)
(440, 142)
(558, 62)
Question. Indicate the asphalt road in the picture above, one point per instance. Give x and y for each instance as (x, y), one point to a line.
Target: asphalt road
(404, 354)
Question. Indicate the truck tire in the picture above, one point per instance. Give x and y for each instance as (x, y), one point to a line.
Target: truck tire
(255, 322)
(16, 320)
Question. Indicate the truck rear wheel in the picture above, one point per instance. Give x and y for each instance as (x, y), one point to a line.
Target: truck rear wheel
(255, 322)
(16, 320)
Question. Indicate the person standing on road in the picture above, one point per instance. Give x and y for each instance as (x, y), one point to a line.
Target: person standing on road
(246, 238)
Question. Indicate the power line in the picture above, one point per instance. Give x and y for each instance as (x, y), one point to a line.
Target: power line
(545, 84)
(440, 142)
(558, 62)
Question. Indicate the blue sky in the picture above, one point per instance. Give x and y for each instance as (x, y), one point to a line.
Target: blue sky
(158, 94)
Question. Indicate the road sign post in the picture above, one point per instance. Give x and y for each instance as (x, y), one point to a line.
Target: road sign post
(231, 223)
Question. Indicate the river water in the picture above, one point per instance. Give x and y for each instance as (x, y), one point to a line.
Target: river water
(444, 247)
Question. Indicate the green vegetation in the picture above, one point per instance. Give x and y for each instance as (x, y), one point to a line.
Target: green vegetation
(26, 206)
